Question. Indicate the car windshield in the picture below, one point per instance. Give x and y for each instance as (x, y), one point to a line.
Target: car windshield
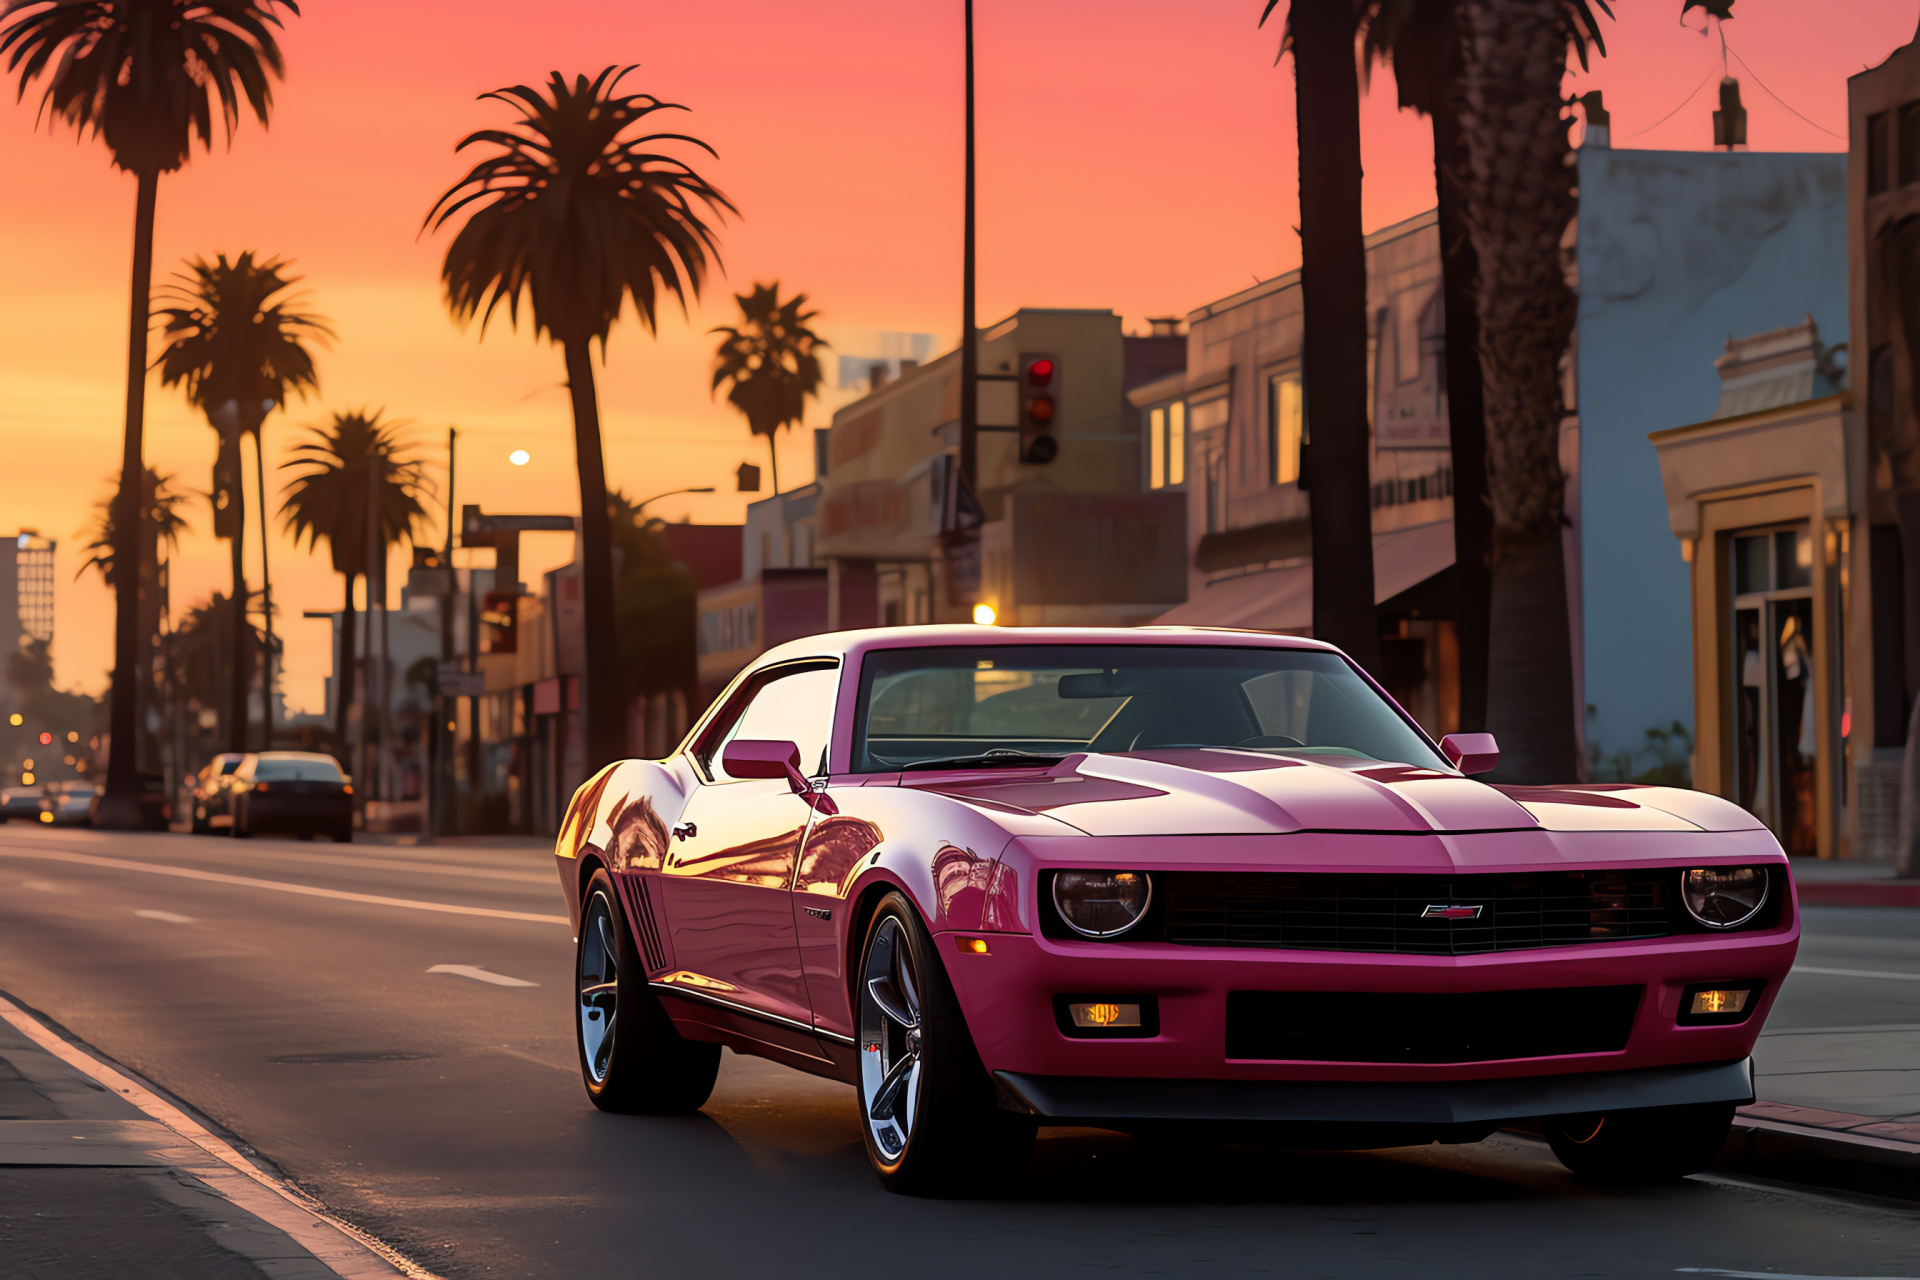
(296, 769)
(1027, 704)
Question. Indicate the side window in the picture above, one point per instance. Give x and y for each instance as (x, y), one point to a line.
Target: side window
(793, 705)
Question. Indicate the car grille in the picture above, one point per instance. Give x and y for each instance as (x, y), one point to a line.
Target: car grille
(1476, 1026)
(1386, 912)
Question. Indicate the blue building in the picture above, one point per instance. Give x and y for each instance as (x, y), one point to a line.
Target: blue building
(1677, 252)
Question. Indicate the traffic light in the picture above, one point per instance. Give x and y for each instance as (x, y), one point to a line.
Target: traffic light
(1039, 407)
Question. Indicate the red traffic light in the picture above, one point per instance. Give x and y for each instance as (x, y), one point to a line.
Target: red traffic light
(1040, 373)
(46, 739)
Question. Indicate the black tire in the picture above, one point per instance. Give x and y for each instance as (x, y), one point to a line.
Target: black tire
(1640, 1147)
(639, 1064)
(956, 1139)
(240, 829)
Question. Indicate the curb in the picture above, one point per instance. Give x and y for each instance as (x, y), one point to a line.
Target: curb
(1859, 893)
(1843, 1152)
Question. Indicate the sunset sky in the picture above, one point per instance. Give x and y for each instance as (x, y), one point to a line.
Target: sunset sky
(1134, 154)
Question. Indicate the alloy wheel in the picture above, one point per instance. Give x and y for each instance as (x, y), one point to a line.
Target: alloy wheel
(890, 1043)
(599, 983)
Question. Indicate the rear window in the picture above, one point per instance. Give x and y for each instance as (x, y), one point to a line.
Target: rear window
(304, 769)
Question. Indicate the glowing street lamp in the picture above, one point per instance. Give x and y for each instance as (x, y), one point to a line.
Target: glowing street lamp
(984, 615)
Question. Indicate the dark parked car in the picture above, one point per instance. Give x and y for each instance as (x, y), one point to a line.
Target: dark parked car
(21, 802)
(298, 792)
(68, 803)
(213, 794)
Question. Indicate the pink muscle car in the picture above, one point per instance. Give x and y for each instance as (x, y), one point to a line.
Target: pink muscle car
(1157, 880)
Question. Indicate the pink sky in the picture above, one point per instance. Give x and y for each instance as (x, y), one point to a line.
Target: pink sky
(1133, 155)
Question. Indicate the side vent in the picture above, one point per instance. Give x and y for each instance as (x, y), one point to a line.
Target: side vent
(645, 929)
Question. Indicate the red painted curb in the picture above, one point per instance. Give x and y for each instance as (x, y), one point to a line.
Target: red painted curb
(1860, 893)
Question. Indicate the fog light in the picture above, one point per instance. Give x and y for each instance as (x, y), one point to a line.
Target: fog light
(1719, 1000)
(974, 946)
(1104, 1014)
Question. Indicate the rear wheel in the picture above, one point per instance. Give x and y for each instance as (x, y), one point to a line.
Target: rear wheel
(931, 1124)
(632, 1059)
(1637, 1147)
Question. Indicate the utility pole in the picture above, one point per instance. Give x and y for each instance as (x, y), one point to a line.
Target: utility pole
(266, 589)
(376, 553)
(443, 706)
(969, 350)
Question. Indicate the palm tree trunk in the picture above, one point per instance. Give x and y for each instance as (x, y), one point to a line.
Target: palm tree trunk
(1518, 186)
(120, 806)
(605, 727)
(266, 594)
(238, 675)
(773, 456)
(1466, 421)
(1333, 285)
(343, 681)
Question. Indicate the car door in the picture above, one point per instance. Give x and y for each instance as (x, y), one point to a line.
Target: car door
(728, 872)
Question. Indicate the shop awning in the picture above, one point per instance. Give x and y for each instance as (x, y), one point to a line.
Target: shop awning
(1282, 599)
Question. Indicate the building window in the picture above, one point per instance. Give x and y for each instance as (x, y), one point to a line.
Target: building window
(1167, 445)
(1877, 153)
(1286, 426)
(1909, 141)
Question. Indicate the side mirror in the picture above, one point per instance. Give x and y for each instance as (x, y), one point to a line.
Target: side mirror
(1471, 752)
(751, 758)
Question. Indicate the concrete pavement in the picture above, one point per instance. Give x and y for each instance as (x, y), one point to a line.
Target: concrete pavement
(288, 993)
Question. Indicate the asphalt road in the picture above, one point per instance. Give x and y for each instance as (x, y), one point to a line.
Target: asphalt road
(443, 1112)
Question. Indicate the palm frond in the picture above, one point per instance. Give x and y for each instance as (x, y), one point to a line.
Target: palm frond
(146, 76)
(235, 332)
(327, 497)
(771, 359)
(573, 217)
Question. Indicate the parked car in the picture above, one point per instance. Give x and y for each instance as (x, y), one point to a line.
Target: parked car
(20, 802)
(1161, 880)
(212, 794)
(68, 803)
(301, 793)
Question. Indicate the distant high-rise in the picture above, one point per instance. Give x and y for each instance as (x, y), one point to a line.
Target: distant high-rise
(26, 579)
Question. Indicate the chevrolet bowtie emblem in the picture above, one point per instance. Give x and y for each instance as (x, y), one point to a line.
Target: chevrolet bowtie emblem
(1441, 911)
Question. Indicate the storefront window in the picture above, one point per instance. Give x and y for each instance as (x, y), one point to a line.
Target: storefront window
(1775, 729)
(1286, 420)
(1167, 445)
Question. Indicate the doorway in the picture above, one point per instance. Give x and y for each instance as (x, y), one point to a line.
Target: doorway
(1775, 731)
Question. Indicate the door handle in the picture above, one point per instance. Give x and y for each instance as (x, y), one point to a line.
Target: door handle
(685, 830)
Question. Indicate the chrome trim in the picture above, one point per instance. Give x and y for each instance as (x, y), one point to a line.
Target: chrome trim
(731, 1006)
(1053, 891)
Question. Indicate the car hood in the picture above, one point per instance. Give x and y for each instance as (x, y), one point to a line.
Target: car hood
(1217, 791)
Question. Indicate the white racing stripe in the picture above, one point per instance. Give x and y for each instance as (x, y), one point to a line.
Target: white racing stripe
(1854, 973)
(170, 917)
(278, 886)
(346, 1249)
(1774, 1275)
(478, 974)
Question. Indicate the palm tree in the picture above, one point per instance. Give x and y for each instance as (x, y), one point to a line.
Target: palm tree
(569, 211)
(328, 499)
(161, 521)
(772, 362)
(1518, 188)
(1333, 288)
(143, 76)
(237, 342)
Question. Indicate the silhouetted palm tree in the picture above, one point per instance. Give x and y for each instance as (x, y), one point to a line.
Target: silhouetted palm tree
(160, 505)
(238, 344)
(144, 76)
(1333, 295)
(579, 218)
(771, 360)
(1518, 184)
(328, 499)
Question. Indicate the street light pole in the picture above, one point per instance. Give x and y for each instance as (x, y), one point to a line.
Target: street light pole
(441, 736)
(640, 506)
(969, 353)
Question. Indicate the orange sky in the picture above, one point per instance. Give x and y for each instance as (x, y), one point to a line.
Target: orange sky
(1135, 155)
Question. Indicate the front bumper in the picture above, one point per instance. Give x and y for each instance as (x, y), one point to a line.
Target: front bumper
(1436, 1104)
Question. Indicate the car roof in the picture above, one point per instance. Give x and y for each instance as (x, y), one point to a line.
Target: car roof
(848, 644)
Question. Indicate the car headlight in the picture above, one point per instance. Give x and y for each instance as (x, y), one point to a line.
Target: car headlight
(1722, 897)
(1101, 904)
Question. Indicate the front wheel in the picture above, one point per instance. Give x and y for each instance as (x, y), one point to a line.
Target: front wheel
(1641, 1146)
(632, 1059)
(931, 1124)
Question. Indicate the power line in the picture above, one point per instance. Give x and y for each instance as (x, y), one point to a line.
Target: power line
(1676, 111)
(1776, 97)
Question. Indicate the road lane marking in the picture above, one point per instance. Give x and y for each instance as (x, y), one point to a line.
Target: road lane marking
(478, 974)
(1856, 973)
(1774, 1275)
(170, 917)
(281, 886)
(349, 1251)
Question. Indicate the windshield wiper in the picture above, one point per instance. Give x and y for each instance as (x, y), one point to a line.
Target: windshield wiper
(989, 760)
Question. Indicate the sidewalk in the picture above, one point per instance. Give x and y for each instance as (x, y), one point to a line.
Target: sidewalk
(101, 1178)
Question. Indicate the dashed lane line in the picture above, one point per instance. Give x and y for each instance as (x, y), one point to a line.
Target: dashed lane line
(1855, 973)
(279, 886)
(477, 974)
